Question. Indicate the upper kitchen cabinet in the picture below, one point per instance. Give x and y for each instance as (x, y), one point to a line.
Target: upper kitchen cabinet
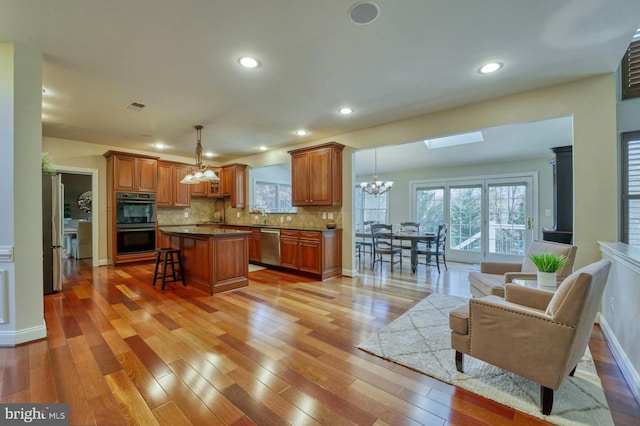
(131, 172)
(233, 183)
(211, 189)
(316, 175)
(172, 193)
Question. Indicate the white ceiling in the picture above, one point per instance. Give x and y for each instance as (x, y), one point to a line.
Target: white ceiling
(180, 59)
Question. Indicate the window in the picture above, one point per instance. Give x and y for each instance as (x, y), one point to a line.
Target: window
(465, 217)
(631, 188)
(631, 71)
(430, 208)
(273, 197)
(370, 207)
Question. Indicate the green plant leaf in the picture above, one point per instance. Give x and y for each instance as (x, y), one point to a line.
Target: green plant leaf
(548, 262)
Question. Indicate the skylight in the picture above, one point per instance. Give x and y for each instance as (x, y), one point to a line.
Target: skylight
(461, 139)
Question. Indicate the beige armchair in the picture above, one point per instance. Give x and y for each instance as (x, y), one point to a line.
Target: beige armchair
(537, 334)
(493, 276)
(83, 244)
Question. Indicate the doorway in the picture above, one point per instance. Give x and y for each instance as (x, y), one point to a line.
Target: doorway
(83, 180)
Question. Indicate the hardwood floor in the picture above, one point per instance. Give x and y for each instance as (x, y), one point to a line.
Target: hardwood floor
(281, 351)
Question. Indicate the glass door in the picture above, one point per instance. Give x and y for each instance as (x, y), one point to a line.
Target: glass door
(509, 228)
(465, 222)
(489, 218)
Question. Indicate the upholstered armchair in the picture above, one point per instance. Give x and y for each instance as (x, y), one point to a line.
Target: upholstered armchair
(493, 276)
(537, 334)
(82, 245)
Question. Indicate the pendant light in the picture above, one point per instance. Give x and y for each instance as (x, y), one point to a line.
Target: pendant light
(376, 186)
(200, 173)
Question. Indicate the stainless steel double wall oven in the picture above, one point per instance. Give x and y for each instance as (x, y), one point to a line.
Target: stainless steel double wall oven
(135, 222)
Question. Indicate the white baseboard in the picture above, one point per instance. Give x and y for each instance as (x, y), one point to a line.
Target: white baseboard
(350, 272)
(13, 338)
(629, 373)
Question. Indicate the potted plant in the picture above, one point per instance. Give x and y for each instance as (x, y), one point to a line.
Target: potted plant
(548, 265)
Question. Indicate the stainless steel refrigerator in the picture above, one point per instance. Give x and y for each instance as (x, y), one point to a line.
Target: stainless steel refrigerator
(52, 232)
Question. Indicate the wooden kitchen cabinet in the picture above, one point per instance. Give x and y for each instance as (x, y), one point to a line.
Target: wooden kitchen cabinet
(315, 252)
(289, 248)
(127, 172)
(316, 175)
(211, 189)
(310, 252)
(233, 184)
(132, 172)
(172, 193)
(255, 243)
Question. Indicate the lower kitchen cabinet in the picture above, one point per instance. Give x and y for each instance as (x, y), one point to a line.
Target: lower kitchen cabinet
(314, 252)
(289, 248)
(255, 242)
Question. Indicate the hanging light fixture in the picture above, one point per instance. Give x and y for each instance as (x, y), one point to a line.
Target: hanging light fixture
(201, 173)
(376, 186)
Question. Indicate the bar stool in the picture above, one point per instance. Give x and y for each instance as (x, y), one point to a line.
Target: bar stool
(168, 257)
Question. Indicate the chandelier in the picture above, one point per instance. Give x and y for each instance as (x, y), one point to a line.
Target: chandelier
(376, 187)
(200, 173)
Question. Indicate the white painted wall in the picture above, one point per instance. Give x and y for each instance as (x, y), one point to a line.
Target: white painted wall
(21, 211)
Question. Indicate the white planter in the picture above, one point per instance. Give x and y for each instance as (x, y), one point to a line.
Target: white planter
(547, 280)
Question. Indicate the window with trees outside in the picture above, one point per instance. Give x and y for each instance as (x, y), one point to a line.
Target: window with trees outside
(273, 197)
(430, 208)
(370, 207)
(630, 188)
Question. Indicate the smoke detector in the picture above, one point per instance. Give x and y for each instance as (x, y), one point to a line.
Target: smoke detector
(364, 13)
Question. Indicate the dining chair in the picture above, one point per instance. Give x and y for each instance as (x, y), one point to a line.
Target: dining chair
(408, 227)
(365, 242)
(382, 245)
(437, 249)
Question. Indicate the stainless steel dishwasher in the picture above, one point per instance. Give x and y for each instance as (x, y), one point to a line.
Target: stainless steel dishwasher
(270, 246)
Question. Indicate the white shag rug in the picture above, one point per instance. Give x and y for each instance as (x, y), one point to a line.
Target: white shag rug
(420, 339)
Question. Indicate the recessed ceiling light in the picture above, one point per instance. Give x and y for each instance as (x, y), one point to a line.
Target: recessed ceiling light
(490, 67)
(208, 154)
(263, 148)
(345, 110)
(302, 132)
(248, 62)
(159, 145)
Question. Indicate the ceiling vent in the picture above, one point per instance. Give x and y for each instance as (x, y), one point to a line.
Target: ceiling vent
(136, 106)
(364, 13)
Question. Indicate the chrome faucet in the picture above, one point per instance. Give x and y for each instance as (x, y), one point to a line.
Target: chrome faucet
(264, 217)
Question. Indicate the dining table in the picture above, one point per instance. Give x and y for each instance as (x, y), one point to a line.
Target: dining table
(413, 237)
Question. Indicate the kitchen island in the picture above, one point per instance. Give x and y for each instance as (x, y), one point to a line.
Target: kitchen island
(214, 259)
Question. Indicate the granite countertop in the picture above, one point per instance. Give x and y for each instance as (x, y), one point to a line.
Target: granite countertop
(254, 225)
(200, 230)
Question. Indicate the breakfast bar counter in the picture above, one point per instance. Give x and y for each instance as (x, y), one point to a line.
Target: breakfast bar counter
(214, 259)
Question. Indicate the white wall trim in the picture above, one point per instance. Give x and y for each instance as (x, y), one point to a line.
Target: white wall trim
(629, 373)
(13, 338)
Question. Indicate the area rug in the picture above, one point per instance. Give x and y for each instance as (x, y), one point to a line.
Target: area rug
(420, 339)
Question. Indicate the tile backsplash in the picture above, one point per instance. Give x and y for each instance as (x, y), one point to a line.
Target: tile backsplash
(204, 210)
